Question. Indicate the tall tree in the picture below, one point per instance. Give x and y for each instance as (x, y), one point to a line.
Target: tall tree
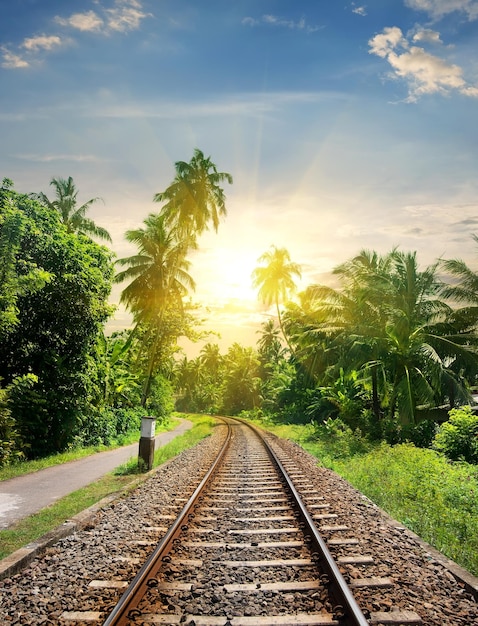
(241, 382)
(49, 355)
(275, 280)
(15, 279)
(72, 215)
(159, 281)
(465, 290)
(158, 273)
(387, 318)
(195, 198)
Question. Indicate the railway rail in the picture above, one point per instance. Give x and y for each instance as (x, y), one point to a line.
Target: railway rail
(248, 543)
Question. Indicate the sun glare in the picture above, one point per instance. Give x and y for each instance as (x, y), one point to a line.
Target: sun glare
(228, 276)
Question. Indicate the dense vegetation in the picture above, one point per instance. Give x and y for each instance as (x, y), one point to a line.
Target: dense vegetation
(63, 382)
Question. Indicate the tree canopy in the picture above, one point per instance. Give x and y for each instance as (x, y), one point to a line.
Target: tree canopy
(59, 313)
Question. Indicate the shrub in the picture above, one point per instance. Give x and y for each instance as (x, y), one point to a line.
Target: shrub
(341, 441)
(10, 440)
(423, 490)
(458, 437)
(161, 401)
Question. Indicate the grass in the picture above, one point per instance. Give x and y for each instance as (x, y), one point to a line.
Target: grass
(435, 498)
(431, 496)
(122, 479)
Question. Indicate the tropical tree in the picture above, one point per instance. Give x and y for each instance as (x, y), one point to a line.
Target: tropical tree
(48, 356)
(211, 359)
(388, 322)
(188, 377)
(73, 216)
(158, 273)
(275, 280)
(159, 282)
(195, 198)
(15, 279)
(464, 287)
(241, 380)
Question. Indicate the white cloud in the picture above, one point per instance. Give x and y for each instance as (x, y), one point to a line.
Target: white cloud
(439, 8)
(427, 36)
(360, 10)
(384, 43)
(424, 73)
(126, 15)
(32, 46)
(274, 20)
(12, 61)
(42, 42)
(88, 21)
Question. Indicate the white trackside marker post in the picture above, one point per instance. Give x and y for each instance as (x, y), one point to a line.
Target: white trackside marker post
(146, 442)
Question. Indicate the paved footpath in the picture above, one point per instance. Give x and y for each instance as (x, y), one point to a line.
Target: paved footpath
(25, 495)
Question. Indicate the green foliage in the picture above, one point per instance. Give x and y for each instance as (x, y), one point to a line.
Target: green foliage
(241, 380)
(420, 488)
(345, 397)
(388, 323)
(161, 401)
(17, 276)
(48, 355)
(72, 216)
(10, 440)
(105, 426)
(340, 441)
(458, 437)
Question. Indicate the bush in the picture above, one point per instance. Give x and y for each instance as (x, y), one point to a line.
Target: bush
(421, 489)
(161, 400)
(458, 437)
(10, 440)
(340, 440)
(107, 425)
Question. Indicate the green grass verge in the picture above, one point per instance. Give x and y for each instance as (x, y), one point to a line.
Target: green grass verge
(435, 498)
(33, 527)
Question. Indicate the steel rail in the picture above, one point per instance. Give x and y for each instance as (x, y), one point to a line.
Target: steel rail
(352, 615)
(124, 605)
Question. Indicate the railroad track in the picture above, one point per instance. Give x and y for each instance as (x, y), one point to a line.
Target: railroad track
(246, 551)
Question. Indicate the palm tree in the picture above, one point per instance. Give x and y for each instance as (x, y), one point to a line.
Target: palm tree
(241, 382)
(269, 345)
(275, 280)
(466, 290)
(387, 319)
(159, 281)
(195, 197)
(159, 272)
(211, 360)
(73, 216)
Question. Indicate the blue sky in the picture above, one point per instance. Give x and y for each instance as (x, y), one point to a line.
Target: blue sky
(345, 125)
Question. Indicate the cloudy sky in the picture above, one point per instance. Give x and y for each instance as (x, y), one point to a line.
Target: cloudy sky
(345, 125)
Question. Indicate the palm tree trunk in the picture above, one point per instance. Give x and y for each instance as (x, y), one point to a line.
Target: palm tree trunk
(282, 329)
(150, 371)
(375, 398)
